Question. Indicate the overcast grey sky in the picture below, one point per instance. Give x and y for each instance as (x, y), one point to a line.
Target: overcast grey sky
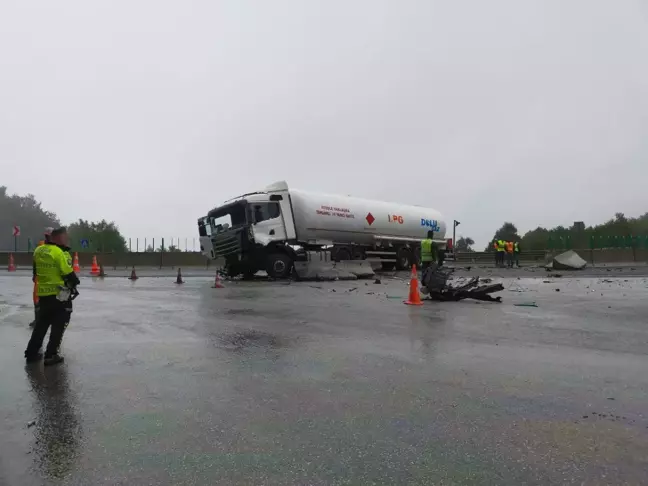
(155, 111)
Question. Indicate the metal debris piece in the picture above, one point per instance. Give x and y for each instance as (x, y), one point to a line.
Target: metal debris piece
(435, 280)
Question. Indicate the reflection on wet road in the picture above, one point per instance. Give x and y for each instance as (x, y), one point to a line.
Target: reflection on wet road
(57, 429)
(274, 383)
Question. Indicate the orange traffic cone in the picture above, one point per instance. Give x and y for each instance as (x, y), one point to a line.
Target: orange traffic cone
(414, 295)
(75, 265)
(94, 270)
(179, 277)
(133, 275)
(218, 284)
(12, 265)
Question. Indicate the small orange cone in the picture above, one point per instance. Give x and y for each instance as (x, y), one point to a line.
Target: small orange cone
(75, 265)
(179, 278)
(218, 284)
(133, 275)
(12, 265)
(414, 295)
(94, 270)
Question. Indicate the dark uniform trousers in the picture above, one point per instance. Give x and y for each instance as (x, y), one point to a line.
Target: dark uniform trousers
(51, 313)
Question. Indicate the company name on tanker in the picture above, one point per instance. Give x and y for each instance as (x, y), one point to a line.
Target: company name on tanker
(433, 224)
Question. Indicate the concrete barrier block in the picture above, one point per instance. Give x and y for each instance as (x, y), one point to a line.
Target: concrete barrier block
(359, 268)
(318, 256)
(321, 271)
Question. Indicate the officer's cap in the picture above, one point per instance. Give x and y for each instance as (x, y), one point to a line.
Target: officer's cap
(59, 231)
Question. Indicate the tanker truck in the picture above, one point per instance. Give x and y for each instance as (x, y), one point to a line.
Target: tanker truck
(271, 229)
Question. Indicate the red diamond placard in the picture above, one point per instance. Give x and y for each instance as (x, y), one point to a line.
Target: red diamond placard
(370, 219)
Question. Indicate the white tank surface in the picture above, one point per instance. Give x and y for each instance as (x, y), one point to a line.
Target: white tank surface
(345, 219)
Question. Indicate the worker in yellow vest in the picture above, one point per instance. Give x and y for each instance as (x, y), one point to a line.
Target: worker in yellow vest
(501, 251)
(516, 253)
(428, 251)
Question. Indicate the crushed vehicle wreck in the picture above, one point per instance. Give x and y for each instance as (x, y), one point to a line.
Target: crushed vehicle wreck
(436, 287)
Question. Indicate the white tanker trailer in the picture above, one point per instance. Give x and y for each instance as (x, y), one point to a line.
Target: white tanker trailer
(270, 229)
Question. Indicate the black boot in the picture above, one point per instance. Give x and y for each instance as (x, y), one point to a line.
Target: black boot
(52, 360)
(33, 358)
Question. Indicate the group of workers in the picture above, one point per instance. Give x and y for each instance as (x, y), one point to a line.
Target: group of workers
(56, 284)
(507, 253)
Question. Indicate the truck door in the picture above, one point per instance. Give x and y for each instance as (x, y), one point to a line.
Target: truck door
(204, 230)
(267, 223)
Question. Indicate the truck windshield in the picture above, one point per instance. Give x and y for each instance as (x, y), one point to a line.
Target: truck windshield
(226, 218)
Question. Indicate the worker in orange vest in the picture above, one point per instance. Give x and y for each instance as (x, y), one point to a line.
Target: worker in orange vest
(509, 254)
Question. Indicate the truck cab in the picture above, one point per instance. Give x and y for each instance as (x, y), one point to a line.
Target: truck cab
(251, 233)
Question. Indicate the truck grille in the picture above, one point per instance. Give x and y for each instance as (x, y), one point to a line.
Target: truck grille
(227, 243)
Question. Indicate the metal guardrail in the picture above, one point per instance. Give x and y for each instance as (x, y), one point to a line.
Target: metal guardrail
(489, 257)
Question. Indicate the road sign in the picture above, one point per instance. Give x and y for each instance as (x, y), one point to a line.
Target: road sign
(85, 243)
(16, 230)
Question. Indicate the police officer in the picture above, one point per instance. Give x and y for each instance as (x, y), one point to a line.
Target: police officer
(56, 279)
(46, 239)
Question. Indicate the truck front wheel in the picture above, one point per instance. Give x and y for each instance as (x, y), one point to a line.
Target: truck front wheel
(279, 265)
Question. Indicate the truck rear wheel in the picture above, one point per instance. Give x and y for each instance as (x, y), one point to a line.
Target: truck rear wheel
(279, 265)
(388, 266)
(403, 259)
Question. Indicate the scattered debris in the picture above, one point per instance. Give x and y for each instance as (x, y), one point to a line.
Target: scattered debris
(569, 260)
(557, 290)
(31, 423)
(515, 287)
(546, 281)
(352, 289)
(526, 304)
(557, 275)
(435, 280)
(486, 280)
(610, 398)
(377, 281)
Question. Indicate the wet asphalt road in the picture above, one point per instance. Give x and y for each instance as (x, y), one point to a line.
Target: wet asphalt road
(270, 383)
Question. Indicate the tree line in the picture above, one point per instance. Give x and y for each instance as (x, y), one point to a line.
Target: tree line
(539, 238)
(28, 213)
